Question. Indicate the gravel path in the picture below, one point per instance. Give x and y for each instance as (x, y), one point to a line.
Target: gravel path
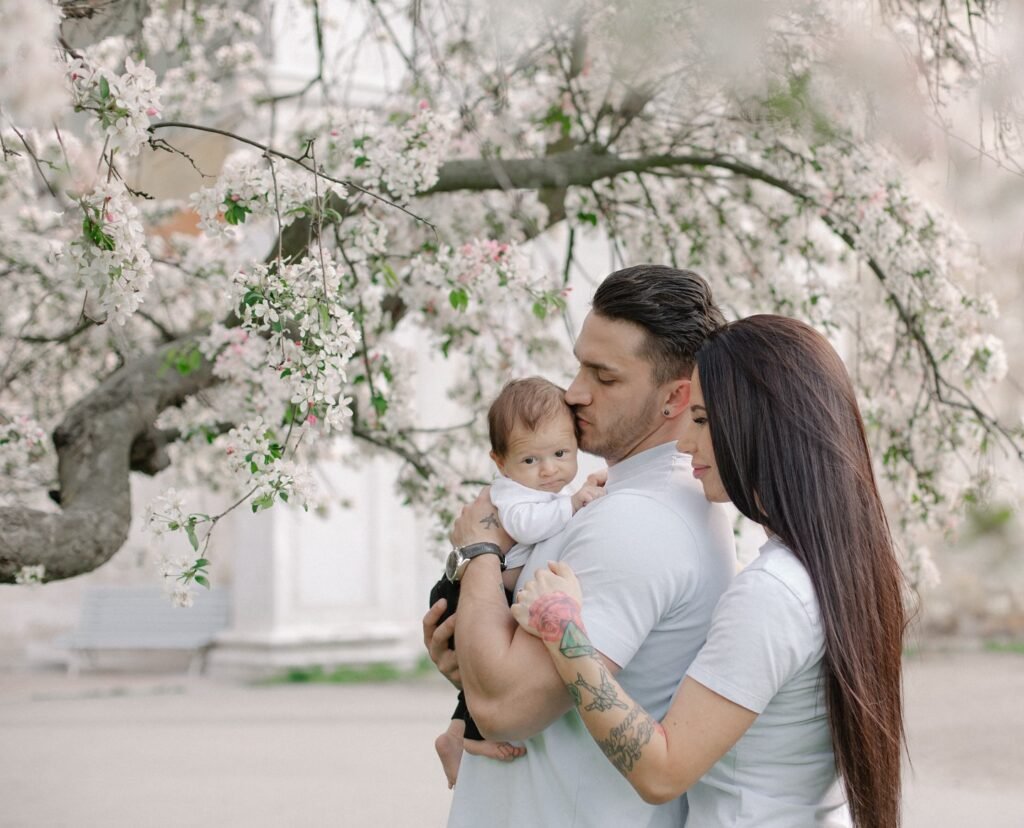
(137, 751)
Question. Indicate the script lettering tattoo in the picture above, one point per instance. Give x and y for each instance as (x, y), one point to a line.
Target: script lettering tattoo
(491, 521)
(626, 740)
(605, 697)
(551, 615)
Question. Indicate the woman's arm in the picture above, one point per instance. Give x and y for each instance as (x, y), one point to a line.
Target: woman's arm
(660, 760)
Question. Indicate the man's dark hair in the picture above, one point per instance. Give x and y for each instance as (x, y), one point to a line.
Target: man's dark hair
(674, 307)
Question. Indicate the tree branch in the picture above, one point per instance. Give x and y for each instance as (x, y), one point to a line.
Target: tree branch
(94, 446)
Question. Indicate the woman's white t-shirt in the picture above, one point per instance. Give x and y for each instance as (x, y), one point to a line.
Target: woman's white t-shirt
(764, 652)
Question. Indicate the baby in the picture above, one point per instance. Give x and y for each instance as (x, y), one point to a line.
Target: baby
(533, 444)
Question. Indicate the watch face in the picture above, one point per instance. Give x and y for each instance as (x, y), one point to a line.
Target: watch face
(451, 565)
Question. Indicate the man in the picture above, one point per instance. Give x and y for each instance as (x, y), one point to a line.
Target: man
(653, 557)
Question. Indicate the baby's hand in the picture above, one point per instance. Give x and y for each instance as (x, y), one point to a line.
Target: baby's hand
(587, 494)
(598, 478)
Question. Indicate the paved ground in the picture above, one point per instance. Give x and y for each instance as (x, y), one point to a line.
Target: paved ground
(130, 751)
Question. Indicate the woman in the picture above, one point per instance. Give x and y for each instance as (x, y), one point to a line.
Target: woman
(791, 714)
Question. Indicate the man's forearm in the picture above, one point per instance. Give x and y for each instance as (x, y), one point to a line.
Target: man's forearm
(512, 688)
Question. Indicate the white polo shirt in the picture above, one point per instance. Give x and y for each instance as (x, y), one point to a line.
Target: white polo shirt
(653, 557)
(764, 652)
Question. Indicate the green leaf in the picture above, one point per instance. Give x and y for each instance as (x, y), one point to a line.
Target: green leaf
(200, 579)
(380, 404)
(104, 89)
(201, 563)
(390, 277)
(587, 218)
(361, 161)
(263, 502)
(459, 299)
(190, 530)
(236, 213)
(93, 231)
(540, 310)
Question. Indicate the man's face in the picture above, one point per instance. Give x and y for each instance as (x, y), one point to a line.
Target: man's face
(542, 459)
(614, 397)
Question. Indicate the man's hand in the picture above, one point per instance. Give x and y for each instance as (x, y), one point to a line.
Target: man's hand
(479, 522)
(435, 639)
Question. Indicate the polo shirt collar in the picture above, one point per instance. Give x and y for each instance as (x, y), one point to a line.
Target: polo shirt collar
(639, 465)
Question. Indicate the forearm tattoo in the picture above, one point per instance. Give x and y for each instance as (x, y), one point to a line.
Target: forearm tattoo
(491, 521)
(605, 695)
(626, 740)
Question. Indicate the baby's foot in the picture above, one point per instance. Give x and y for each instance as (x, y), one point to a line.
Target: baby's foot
(504, 751)
(449, 749)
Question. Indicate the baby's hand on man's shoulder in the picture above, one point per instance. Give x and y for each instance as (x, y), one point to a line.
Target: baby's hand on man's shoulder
(588, 494)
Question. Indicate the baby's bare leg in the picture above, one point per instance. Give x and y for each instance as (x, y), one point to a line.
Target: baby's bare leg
(505, 751)
(449, 749)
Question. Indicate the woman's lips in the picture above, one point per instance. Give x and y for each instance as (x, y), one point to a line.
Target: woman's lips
(700, 471)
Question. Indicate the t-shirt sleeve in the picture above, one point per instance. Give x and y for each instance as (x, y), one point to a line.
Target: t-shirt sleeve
(634, 559)
(761, 635)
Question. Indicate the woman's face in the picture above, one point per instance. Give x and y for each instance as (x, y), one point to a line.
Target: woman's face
(696, 441)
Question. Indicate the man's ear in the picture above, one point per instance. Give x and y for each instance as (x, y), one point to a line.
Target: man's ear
(678, 397)
(499, 461)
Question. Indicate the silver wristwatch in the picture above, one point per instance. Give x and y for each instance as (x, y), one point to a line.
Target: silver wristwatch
(460, 556)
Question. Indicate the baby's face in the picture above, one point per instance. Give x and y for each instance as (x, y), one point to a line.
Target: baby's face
(544, 459)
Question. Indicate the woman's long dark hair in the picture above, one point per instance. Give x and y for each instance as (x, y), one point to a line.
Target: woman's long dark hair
(790, 447)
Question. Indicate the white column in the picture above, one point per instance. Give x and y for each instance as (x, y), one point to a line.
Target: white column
(325, 591)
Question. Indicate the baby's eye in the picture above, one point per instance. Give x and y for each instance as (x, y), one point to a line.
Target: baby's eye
(561, 453)
(529, 461)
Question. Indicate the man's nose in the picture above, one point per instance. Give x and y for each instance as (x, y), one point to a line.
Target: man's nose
(577, 393)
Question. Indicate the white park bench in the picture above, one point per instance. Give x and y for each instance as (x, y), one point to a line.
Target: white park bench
(128, 618)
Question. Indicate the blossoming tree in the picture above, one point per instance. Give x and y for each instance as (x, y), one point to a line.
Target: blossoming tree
(765, 145)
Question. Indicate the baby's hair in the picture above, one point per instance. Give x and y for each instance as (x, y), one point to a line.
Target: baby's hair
(528, 401)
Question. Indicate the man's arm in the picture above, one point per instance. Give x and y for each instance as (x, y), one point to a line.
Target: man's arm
(512, 688)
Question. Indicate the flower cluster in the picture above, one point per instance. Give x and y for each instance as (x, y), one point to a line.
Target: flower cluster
(110, 255)
(311, 334)
(30, 574)
(214, 58)
(251, 186)
(30, 76)
(122, 104)
(23, 445)
(399, 159)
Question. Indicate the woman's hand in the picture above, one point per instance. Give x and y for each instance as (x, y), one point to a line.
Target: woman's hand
(549, 603)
